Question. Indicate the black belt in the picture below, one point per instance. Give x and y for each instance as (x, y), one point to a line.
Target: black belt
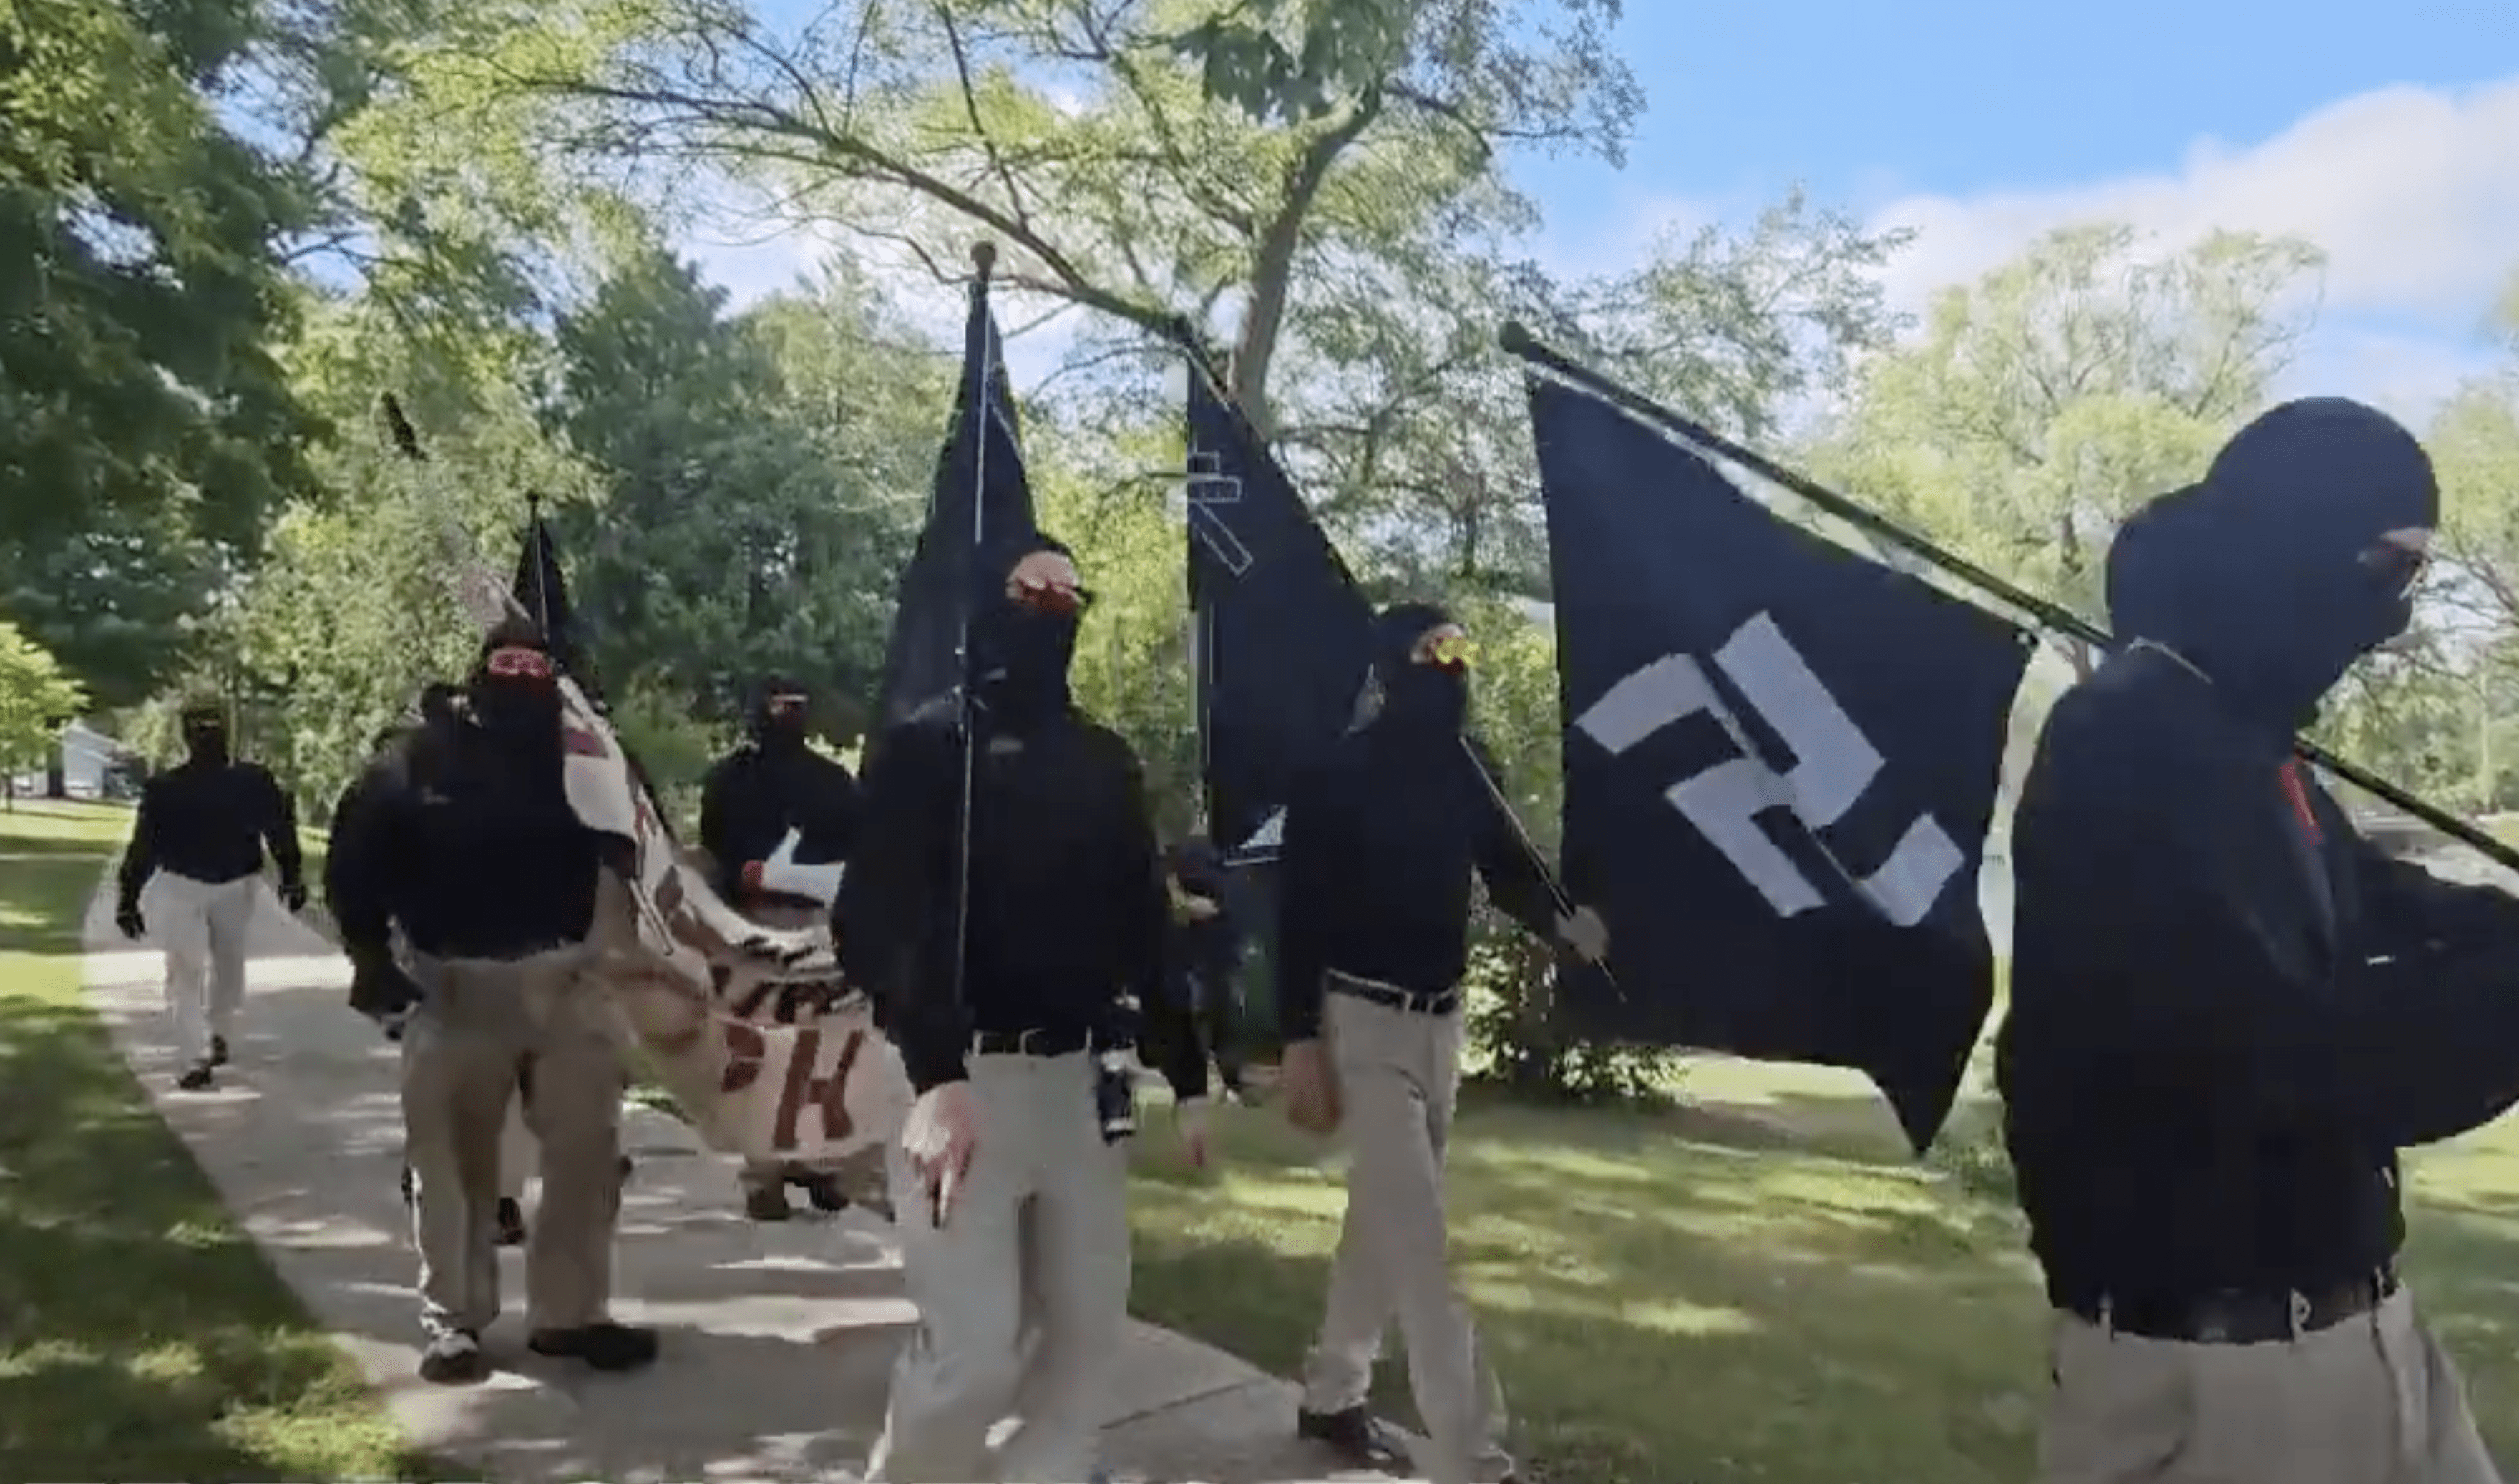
(1030, 1043)
(2243, 1319)
(1392, 996)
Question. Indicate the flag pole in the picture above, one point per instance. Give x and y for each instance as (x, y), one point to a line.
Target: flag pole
(1194, 351)
(1518, 341)
(984, 262)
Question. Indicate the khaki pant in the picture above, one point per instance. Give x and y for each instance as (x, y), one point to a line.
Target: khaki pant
(479, 1023)
(1399, 1076)
(1022, 1296)
(2370, 1401)
(202, 926)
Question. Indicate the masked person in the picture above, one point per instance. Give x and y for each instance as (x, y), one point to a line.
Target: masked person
(441, 706)
(770, 805)
(1011, 1179)
(2229, 1012)
(196, 854)
(1204, 959)
(463, 840)
(1381, 839)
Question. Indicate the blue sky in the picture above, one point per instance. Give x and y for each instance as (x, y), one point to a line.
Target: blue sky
(2395, 144)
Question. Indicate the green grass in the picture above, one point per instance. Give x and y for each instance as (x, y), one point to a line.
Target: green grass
(142, 1334)
(1758, 1288)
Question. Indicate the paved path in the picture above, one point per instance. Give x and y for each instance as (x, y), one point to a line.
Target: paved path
(778, 1339)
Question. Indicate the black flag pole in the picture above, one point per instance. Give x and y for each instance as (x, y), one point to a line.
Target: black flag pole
(1200, 364)
(982, 371)
(1517, 340)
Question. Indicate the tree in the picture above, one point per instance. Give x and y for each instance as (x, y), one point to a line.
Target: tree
(140, 297)
(749, 523)
(1139, 199)
(36, 700)
(2049, 398)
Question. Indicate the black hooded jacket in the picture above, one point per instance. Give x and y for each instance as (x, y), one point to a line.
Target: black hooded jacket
(460, 830)
(772, 784)
(1067, 904)
(1381, 836)
(2229, 1012)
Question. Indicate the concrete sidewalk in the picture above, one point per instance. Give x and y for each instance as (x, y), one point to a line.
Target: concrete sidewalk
(779, 1339)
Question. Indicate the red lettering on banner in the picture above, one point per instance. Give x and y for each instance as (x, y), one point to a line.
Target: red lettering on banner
(828, 1095)
(745, 1049)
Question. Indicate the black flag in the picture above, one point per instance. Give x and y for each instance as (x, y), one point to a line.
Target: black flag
(1284, 638)
(1781, 766)
(541, 592)
(979, 471)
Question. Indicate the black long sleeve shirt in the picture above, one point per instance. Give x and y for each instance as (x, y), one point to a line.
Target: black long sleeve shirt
(1067, 908)
(752, 798)
(211, 823)
(475, 855)
(1374, 873)
(2225, 1023)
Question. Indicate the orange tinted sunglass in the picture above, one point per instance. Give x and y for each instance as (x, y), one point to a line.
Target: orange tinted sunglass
(519, 663)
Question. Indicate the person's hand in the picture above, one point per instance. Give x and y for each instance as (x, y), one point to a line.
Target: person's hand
(129, 921)
(940, 1136)
(1197, 908)
(1584, 932)
(1189, 1121)
(1310, 1086)
(382, 991)
(750, 875)
(293, 895)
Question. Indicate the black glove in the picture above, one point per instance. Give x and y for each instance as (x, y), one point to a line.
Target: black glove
(379, 989)
(293, 895)
(127, 918)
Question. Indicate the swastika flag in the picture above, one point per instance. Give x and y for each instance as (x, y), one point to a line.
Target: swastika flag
(1781, 767)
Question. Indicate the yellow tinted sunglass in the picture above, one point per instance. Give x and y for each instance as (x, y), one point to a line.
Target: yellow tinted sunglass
(1450, 650)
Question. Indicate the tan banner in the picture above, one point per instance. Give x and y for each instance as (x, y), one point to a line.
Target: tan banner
(747, 1026)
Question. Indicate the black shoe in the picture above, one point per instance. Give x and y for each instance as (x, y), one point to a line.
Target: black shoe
(409, 1191)
(511, 1222)
(454, 1358)
(824, 1191)
(767, 1202)
(606, 1346)
(1354, 1435)
(218, 1051)
(197, 1079)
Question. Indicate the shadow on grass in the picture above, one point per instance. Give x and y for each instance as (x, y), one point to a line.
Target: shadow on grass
(1664, 1303)
(142, 1334)
(44, 885)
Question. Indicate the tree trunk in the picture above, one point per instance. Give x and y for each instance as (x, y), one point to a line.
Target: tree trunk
(56, 783)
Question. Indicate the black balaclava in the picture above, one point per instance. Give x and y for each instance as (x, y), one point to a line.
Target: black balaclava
(2269, 575)
(206, 734)
(1019, 655)
(522, 710)
(1431, 700)
(779, 731)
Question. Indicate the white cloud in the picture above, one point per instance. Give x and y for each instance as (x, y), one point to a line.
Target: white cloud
(2413, 192)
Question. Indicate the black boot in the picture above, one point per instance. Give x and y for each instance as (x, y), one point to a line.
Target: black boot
(823, 1190)
(454, 1358)
(606, 1346)
(511, 1222)
(195, 1078)
(218, 1051)
(767, 1202)
(1354, 1435)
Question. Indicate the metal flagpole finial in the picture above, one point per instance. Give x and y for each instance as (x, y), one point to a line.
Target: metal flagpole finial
(984, 258)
